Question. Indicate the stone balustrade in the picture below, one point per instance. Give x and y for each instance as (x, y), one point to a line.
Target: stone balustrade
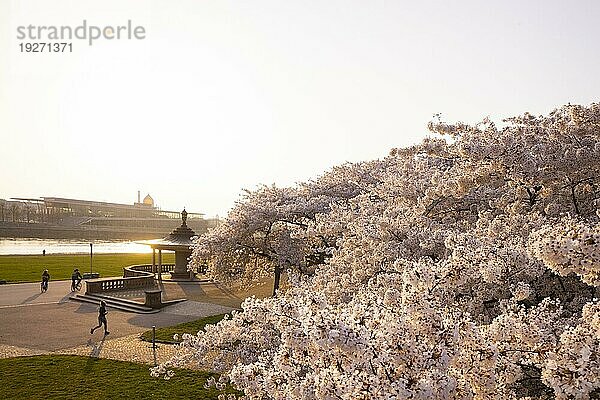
(102, 285)
(145, 269)
(135, 277)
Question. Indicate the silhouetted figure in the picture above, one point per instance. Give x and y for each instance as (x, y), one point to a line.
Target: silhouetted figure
(45, 280)
(75, 279)
(101, 318)
(44, 252)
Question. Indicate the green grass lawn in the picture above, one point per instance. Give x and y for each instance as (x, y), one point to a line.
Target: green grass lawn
(165, 335)
(75, 377)
(60, 266)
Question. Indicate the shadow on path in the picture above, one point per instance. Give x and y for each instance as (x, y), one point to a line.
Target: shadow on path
(205, 292)
(66, 298)
(31, 298)
(226, 292)
(96, 349)
(86, 308)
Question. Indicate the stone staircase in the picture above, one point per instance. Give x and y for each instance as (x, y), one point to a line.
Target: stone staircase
(116, 303)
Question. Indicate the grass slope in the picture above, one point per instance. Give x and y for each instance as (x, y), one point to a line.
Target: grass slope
(165, 335)
(74, 377)
(30, 268)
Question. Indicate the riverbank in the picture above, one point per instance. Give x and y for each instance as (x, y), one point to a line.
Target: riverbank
(36, 246)
(29, 268)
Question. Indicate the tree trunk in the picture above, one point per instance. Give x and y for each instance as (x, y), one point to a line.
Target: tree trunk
(277, 278)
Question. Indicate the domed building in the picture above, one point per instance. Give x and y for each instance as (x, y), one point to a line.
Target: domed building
(148, 201)
(98, 219)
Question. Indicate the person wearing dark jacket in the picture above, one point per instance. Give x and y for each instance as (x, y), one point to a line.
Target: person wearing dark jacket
(101, 318)
(75, 279)
(45, 280)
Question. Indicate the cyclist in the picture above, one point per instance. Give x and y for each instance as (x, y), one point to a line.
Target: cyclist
(45, 280)
(75, 279)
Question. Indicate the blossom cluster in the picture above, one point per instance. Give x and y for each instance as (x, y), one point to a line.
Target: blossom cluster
(571, 247)
(453, 269)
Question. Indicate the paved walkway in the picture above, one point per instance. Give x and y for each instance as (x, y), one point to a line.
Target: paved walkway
(49, 323)
(126, 348)
(25, 294)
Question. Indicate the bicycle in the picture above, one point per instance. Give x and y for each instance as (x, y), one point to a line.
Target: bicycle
(44, 286)
(76, 286)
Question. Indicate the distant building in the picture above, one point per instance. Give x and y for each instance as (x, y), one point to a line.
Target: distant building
(141, 216)
(148, 201)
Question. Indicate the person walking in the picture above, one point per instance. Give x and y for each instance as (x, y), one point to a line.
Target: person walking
(45, 280)
(101, 318)
(75, 279)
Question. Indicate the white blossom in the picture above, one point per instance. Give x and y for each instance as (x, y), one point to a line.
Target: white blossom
(454, 269)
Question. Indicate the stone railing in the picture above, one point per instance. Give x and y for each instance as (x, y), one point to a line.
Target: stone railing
(135, 277)
(112, 284)
(145, 269)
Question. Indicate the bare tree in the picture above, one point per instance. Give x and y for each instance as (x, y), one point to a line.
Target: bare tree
(15, 211)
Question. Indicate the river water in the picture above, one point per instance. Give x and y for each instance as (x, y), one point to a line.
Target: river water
(68, 246)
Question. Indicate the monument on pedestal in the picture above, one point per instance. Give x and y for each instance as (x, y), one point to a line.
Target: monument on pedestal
(179, 241)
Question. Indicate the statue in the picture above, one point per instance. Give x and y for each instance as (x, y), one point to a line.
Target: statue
(184, 216)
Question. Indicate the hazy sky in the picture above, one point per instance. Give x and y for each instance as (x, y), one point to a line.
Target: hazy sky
(224, 95)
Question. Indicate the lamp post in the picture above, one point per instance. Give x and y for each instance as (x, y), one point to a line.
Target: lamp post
(91, 256)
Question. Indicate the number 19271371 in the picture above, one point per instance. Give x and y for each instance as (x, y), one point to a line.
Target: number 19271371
(46, 47)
